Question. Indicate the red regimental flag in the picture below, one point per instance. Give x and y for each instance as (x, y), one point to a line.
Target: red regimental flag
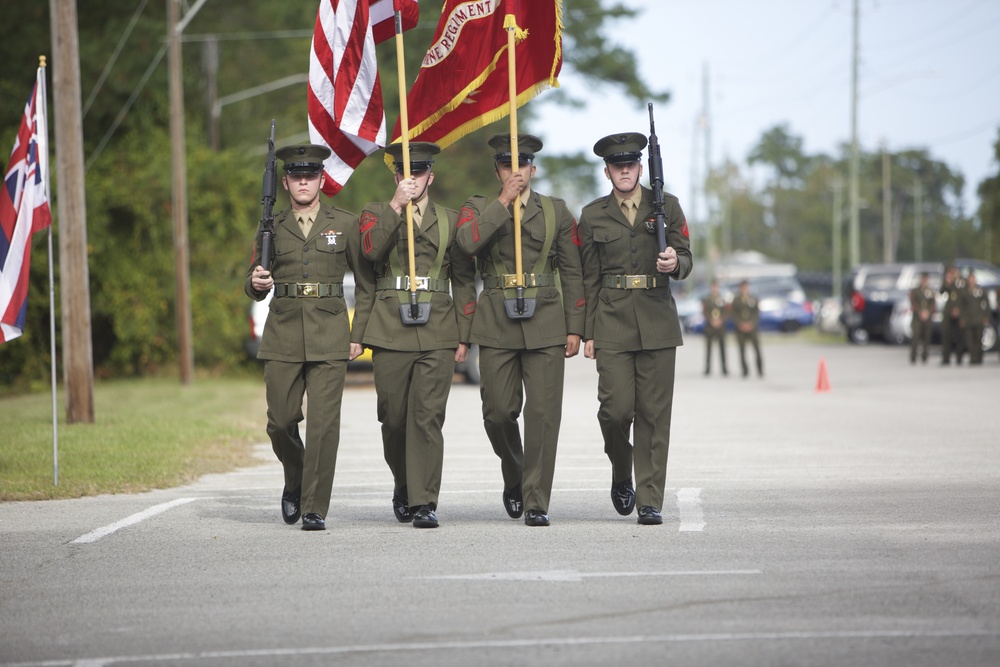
(24, 209)
(463, 81)
(345, 94)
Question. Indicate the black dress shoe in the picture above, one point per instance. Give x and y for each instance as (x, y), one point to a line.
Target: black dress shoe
(424, 517)
(536, 518)
(400, 507)
(290, 510)
(313, 521)
(513, 502)
(623, 497)
(650, 516)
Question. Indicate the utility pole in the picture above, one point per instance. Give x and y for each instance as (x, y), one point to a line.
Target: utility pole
(854, 231)
(918, 221)
(182, 302)
(692, 216)
(78, 355)
(706, 122)
(887, 243)
(838, 221)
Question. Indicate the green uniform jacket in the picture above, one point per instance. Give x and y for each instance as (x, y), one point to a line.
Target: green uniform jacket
(745, 309)
(922, 299)
(313, 329)
(976, 306)
(382, 229)
(953, 304)
(631, 319)
(714, 308)
(486, 223)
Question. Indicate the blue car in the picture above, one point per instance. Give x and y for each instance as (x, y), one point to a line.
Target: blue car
(782, 301)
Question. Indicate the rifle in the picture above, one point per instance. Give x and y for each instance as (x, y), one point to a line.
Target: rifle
(656, 183)
(269, 192)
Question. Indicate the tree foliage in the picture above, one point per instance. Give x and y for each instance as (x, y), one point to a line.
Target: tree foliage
(127, 148)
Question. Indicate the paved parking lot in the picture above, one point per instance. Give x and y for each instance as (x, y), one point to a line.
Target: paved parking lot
(855, 526)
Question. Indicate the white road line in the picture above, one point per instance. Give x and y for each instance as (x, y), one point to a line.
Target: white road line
(573, 576)
(95, 535)
(512, 644)
(689, 507)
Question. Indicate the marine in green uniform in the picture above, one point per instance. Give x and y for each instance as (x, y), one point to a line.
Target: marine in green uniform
(307, 338)
(522, 361)
(632, 328)
(952, 323)
(715, 309)
(414, 363)
(977, 317)
(923, 305)
(745, 311)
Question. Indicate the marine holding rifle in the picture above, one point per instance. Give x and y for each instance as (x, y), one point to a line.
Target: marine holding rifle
(526, 325)
(632, 328)
(307, 338)
(414, 357)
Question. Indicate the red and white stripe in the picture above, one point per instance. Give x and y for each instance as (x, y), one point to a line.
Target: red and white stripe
(345, 95)
(24, 209)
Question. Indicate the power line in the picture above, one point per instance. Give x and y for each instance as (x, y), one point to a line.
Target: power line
(128, 105)
(114, 57)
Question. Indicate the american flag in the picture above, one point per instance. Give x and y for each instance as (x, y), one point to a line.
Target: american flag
(345, 96)
(24, 209)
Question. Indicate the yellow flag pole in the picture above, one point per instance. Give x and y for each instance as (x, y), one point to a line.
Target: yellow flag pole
(510, 23)
(404, 125)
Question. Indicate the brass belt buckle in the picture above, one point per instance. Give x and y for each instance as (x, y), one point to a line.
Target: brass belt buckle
(421, 282)
(306, 289)
(509, 280)
(636, 282)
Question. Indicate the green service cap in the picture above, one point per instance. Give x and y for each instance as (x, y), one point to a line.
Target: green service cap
(623, 147)
(527, 146)
(421, 155)
(303, 159)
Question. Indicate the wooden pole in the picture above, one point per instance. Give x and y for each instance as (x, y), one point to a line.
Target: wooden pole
(404, 127)
(182, 301)
(78, 360)
(514, 166)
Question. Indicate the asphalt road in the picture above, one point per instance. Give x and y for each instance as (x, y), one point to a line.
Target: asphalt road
(857, 526)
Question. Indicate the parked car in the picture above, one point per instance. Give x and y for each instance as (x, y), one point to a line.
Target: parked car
(257, 315)
(873, 290)
(781, 299)
(877, 303)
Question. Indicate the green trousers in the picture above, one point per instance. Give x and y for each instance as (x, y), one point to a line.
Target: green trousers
(636, 392)
(510, 380)
(310, 466)
(413, 389)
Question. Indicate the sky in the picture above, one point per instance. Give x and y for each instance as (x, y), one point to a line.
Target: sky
(929, 77)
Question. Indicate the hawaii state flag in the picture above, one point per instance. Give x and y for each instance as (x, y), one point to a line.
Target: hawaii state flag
(24, 209)
(463, 82)
(345, 95)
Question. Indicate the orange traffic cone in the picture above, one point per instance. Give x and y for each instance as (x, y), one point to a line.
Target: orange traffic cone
(822, 380)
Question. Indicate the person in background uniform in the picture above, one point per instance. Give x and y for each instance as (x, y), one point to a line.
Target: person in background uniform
(952, 325)
(414, 363)
(923, 305)
(976, 317)
(522, 360)
(633, 330)
(715, 310)
(308, 338)
(746, 318)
